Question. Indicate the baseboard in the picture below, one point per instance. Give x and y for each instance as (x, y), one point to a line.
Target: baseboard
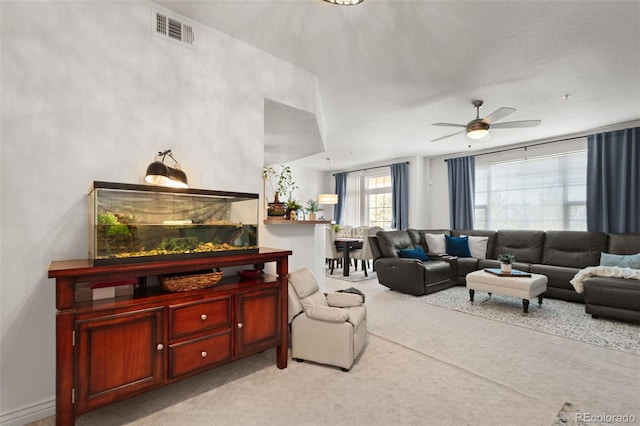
(29, 414)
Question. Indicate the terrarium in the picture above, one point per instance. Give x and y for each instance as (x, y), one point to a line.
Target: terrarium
(136, 223)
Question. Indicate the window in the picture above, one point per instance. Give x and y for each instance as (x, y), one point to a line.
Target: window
(378, 200)
(546, 193)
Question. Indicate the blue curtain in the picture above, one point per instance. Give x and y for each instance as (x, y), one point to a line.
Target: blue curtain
(613, 181)
(341, 190)
(400, 196)
(462, 184)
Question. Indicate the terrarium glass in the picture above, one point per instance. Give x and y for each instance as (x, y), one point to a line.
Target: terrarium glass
(134, 223)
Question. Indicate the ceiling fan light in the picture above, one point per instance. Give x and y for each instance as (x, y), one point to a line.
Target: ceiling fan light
(477, 129)
(477, 134)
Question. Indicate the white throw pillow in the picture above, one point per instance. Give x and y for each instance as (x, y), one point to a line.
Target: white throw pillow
(435, 243)
(478, 246)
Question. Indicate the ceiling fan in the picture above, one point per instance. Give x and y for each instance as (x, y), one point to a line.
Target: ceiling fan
(478, 128)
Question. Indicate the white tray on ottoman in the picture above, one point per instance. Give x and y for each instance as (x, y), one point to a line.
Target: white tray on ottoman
(523, 287)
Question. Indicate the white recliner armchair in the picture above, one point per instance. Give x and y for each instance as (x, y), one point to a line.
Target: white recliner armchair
(329, 329)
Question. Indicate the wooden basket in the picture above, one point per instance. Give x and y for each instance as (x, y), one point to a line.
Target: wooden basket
(189, 282)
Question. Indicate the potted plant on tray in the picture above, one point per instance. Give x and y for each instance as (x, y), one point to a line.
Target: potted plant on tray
(281, 184)
(506, 262)
(312, 208)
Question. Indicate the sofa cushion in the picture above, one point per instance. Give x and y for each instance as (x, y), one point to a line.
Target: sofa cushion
(303, 282)
(624, 243)
(392, 241)
(435, 243)
(525, 245)
(418, 239)
(467, 265)
(415, 253)
(457, 246)
(574, 249)
(614, 292)
(491, 242)
(478, 246)
(620, 260)
(557, 276)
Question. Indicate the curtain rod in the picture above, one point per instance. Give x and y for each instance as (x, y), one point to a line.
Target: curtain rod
(522, 147)
(371, 168)
(580, 135)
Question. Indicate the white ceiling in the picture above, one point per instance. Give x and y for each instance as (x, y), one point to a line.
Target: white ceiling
(388, 69)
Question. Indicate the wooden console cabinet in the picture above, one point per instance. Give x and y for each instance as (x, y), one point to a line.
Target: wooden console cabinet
(108, 350)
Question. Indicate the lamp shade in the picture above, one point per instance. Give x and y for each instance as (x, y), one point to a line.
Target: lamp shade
(160, 174)
(157, 173)
(177, 178)
(328, 199)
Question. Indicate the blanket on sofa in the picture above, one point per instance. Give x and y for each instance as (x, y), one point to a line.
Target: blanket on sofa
(602, 271)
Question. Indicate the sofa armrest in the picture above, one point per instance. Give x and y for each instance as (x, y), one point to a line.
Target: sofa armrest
(344, 300)
(405, 275)
(327, 313)
(453, 265)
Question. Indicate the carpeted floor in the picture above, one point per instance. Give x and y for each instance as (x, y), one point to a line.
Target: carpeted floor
(422, 365)
(557, 317)
(354, 276)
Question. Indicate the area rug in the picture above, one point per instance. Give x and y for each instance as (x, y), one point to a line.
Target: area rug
(556, 317)
(354, 276)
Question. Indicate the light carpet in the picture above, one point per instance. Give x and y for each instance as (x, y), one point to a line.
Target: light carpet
(422, 365)
(354, 276)
(557, 317)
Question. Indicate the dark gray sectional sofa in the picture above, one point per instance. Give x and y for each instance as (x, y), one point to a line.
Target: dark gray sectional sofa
(559, 255)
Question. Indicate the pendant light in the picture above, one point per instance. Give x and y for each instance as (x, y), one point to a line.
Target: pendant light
(328, 198)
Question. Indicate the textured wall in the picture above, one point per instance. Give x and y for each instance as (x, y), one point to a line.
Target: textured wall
(89, 94)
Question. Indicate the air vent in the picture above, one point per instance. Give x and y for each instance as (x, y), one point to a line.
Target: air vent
(172, 28)
(175, 29)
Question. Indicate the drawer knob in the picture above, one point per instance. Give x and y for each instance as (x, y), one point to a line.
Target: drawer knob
(203, 316)
(203, 354)
(240, 325)
(160, 346)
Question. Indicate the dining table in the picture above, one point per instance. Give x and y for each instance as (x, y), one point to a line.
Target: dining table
(347, 244)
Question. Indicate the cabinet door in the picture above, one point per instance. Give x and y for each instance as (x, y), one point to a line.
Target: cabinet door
(117, 356)
(258, 319)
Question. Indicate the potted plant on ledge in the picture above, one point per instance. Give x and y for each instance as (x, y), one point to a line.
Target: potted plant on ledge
(312, 208)
(292, 209)
(506, 262)
(281, 184)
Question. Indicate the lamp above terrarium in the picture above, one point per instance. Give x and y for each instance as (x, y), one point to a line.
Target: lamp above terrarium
(158, 173)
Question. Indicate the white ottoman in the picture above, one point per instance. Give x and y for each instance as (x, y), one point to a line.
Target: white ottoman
(524, 288)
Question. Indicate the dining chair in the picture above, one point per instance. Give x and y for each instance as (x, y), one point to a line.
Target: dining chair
(346, 231)
(331, 251)
(365, 254)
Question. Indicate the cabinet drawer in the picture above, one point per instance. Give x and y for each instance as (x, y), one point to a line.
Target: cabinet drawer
(198, 316)
(199, 353)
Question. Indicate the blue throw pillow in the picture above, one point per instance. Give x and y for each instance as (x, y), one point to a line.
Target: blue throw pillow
(622, 261)
(457, 246)
(416, 253)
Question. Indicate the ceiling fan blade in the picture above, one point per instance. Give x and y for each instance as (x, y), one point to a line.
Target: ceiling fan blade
(448, 136)
(516, 124)
(449, 125)
(498, 114)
